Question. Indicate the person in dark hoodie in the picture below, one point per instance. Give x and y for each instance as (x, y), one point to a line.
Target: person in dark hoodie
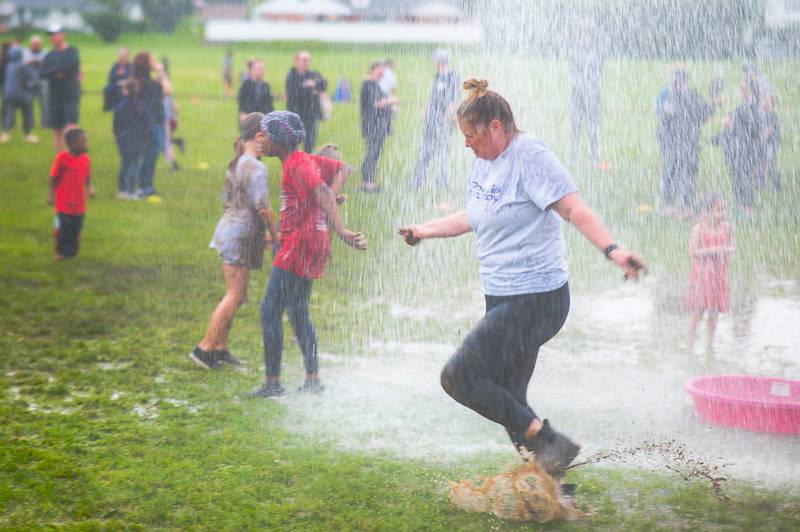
(742, 144)
(133, 131)
(681, 115)
(255, 95)
(18, 95)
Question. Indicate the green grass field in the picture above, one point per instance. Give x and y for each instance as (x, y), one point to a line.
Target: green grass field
(86, 342)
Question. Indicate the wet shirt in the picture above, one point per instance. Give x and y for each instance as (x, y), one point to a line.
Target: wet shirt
(70, 172)
(520, 241)
(305, 240)
(238, 236)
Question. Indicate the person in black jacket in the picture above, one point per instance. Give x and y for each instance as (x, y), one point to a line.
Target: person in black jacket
(743, 148)
(303, 87)
(376, 120)
(148, 99)
(255, 95)
(61, 68)
(681, 115)
(120, 72)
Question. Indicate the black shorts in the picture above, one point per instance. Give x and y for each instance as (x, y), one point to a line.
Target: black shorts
(63, 112)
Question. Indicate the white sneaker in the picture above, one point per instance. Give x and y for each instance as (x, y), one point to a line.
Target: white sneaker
(4, 138)
(123, 196)
(33, 139)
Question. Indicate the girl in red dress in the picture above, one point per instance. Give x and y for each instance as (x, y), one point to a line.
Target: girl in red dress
(710, 246)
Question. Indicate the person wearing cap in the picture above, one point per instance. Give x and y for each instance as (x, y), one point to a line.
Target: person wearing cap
(376, 121)
(309, 184)
(61, 68)
(439, 120)
(681, 114)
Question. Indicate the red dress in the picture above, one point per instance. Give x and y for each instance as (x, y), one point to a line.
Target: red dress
(708, 280)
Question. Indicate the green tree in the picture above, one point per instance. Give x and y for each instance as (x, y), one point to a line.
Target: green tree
(109, 21)
(164, 15)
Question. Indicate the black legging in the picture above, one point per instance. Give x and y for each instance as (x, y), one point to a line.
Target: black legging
(491, 370)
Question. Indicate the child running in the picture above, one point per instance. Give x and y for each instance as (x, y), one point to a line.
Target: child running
(240, 239)
(710, 246)
(70, 181)
(309, 184)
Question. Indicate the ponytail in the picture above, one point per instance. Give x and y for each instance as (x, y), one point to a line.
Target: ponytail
(482, 105)
(248, 128)
(238, 150)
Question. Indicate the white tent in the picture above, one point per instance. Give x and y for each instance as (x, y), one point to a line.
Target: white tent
(436, 9)
(307, 8)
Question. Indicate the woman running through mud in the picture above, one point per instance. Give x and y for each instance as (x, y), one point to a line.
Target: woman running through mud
(518, 195)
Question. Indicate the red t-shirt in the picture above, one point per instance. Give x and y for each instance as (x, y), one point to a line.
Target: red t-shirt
(305, 243)
(71, 172)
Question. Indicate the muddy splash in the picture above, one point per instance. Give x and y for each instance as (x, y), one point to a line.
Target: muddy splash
(526, 493)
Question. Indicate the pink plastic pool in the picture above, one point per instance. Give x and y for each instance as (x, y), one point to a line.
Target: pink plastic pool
(760, 404)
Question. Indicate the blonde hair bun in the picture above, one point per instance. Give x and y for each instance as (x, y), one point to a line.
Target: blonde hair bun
(478, 87)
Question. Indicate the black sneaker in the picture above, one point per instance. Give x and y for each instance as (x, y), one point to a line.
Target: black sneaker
(268, 389)
(204, 359)
(552, 450)
(225, 357)
(311, 386)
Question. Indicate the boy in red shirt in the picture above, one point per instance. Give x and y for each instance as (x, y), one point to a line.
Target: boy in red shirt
(309, 184)
(70, 180)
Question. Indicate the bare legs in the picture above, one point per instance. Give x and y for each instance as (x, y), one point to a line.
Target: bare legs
(236, 278)
(711, 327)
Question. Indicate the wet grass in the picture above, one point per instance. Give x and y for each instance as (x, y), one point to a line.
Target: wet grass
(93, 348)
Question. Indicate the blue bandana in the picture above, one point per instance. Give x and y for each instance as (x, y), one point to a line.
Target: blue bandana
(284, 127)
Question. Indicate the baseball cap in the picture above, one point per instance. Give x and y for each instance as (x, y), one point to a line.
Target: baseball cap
(55, 28)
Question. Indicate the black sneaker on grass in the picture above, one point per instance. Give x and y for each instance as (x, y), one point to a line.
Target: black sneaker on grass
(268, 389)
(311, 386)
(204, 359)
(226, 357)
(552, 450)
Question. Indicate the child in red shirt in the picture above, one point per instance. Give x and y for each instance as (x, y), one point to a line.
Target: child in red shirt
(309, 184)
(70, 180)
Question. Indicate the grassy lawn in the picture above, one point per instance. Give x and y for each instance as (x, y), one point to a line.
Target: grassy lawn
(94, 348)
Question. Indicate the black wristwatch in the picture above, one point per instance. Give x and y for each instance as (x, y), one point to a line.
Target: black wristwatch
(609, 250)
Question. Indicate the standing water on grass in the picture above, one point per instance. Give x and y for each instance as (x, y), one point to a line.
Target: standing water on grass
(614, 377)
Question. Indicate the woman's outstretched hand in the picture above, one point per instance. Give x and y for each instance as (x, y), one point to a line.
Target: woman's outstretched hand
(410, 235)
(630, 262)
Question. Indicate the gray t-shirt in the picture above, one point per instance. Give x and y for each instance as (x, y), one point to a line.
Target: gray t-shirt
(520, 241)
(238, 236)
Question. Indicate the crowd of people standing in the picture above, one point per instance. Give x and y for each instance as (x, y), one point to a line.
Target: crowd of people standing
(52, 78)
(750, 139)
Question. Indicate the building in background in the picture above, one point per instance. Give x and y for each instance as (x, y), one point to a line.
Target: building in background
(355, 21)
(68, 13)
